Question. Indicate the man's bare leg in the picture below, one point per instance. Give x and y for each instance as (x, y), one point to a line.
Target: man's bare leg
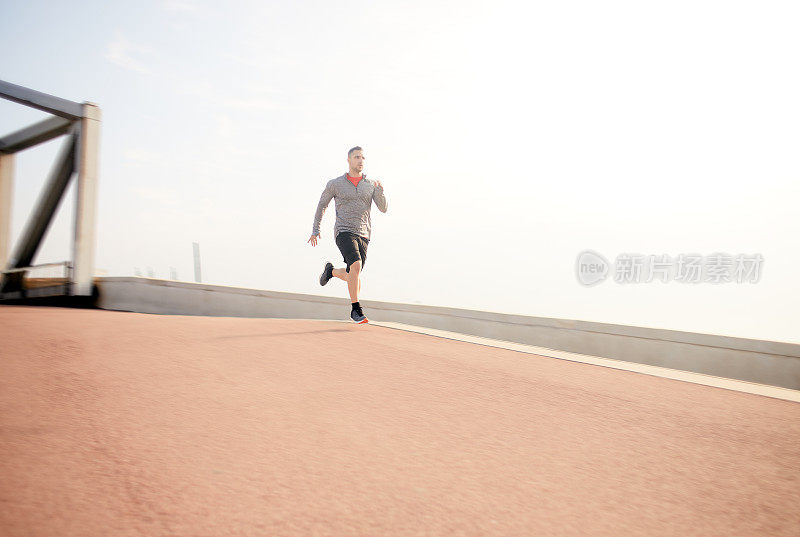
(353, 279)
(353, 282)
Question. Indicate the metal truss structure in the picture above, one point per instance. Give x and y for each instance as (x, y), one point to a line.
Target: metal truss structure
(80, 123)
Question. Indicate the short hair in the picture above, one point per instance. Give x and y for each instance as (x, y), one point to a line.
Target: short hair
(356, 148)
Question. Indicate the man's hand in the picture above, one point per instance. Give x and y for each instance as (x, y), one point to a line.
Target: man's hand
(313, 240)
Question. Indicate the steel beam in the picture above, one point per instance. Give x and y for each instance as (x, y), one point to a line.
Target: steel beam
(86, 201)
(6, 203)
(41, 101)
(34, 134)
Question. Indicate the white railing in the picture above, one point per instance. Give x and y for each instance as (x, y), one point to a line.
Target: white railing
(65, 273)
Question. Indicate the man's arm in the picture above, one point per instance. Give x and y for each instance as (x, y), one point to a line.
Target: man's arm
(379, 198)
(324, 200)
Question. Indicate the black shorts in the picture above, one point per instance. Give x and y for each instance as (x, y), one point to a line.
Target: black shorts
(353, 248)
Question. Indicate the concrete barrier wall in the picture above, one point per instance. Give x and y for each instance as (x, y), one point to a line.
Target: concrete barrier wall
(764, 362)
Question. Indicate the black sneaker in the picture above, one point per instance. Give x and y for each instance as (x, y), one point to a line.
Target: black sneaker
(327, 274)
(358, 316)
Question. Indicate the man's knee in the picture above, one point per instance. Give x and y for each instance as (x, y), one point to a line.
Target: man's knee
(355, 267)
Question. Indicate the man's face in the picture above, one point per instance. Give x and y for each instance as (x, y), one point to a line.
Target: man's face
(356, 160)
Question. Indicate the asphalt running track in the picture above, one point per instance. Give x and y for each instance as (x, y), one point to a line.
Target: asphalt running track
(118, 424)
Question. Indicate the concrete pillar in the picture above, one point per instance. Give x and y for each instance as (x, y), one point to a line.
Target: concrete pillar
(6, 202)
(86, 201)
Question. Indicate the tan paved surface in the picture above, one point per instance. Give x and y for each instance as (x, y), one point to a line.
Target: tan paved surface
(130, 424)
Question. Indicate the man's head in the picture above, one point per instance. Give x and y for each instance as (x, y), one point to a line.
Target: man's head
(355, 158)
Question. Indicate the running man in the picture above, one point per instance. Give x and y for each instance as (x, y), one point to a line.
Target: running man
(354, 194)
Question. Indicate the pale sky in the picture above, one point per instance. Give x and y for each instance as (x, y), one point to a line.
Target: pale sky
(509, 136)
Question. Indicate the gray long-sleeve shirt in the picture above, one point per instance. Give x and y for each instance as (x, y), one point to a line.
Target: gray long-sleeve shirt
(353, 204)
